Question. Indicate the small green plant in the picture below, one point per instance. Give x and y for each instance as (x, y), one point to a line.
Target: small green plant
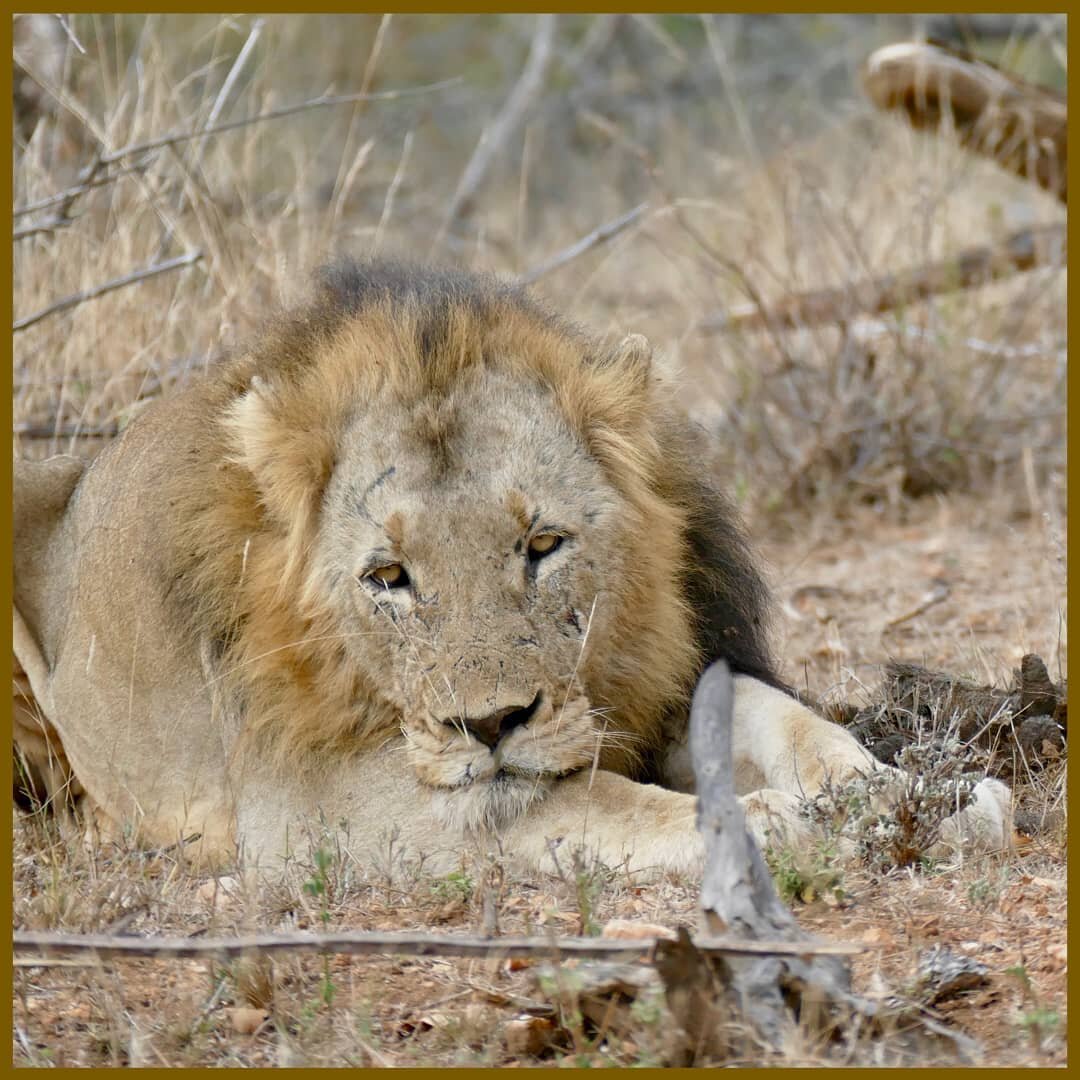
(984, 892)
(456, 886)
(1039, 1023)
(806, 876)
(317, 886)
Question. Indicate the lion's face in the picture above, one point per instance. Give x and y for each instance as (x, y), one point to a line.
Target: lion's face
(465, 542)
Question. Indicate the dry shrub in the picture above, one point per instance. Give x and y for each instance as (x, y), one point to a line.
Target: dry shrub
(963, 391)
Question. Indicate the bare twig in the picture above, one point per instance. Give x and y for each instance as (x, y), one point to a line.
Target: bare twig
(1020, 126)
(66, 27)
(392, 190)
(46, 943)
(506, 122)
(89, 177)
(600, 235)
(30, 430)
(133, 278)
(868, 329)
(1022, 251)
(212, 119)
(65, 199)
(324, 102)
(77, 189)
(938, 592)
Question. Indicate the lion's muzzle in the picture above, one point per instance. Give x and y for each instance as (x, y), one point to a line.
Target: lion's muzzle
(494, 727)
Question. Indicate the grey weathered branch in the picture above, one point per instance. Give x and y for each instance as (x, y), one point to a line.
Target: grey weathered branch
(719, 999)
(731, 1004)
(1042, 245)
(509, 118)
(1022, 127)
(47, 943)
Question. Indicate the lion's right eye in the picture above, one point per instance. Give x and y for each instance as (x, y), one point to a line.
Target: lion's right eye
(391, 576)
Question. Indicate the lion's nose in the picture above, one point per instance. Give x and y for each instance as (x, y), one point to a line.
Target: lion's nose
(491, 730)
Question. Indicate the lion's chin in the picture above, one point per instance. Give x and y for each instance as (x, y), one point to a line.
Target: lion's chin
(490, 804)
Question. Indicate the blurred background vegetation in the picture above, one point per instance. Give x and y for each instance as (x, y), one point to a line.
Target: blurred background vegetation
(734, 154)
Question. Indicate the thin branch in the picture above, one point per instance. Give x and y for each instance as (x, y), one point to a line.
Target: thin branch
(133, 278)
(30, 430)
(392, 190)
(506, 122)
(1022, 251)
(66, 27)
(234, 72)
(74, 191)
(175, 138)
(938, 592)
(868, 329)
(600, 235)
(89, 176)
(47, 943)
(326, 101)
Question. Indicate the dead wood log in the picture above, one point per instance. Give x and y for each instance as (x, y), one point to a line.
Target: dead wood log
(1023, 250)
(721, 1001)
(1020, 126)
(729, 1004)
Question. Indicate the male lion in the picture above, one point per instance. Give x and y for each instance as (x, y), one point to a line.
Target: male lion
(424, 556)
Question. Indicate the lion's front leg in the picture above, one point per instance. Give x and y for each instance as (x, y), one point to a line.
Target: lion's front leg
(783, 747)
(784, 753)
(779, 743)
(646, 828)
(365, 801)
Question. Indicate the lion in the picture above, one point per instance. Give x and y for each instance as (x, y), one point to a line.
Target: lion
(421, 556)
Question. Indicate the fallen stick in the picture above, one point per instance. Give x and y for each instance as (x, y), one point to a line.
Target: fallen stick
(187, 259)
(48, 944)
(1041, 245)
(1020, 126)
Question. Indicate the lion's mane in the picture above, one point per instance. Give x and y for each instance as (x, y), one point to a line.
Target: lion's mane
(246, 516)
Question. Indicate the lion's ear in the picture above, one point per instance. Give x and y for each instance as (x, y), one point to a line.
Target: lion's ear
(277, 437)
(251, 424)
(634, 355)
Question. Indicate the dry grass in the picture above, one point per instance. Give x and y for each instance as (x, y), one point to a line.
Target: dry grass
(764, 173)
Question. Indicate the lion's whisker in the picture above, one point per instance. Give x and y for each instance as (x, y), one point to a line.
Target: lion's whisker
(577, 664)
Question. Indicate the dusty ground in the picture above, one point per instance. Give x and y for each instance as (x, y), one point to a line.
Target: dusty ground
(765, 172)
(843, 586)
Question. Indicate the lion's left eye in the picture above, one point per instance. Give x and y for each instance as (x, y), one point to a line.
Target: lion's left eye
(391, 576)
(544, 544)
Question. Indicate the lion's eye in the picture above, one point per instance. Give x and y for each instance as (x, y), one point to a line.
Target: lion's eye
(543, 544)
(392, 576)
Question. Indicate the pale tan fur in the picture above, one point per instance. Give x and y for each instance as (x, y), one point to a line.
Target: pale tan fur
(196, 618)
